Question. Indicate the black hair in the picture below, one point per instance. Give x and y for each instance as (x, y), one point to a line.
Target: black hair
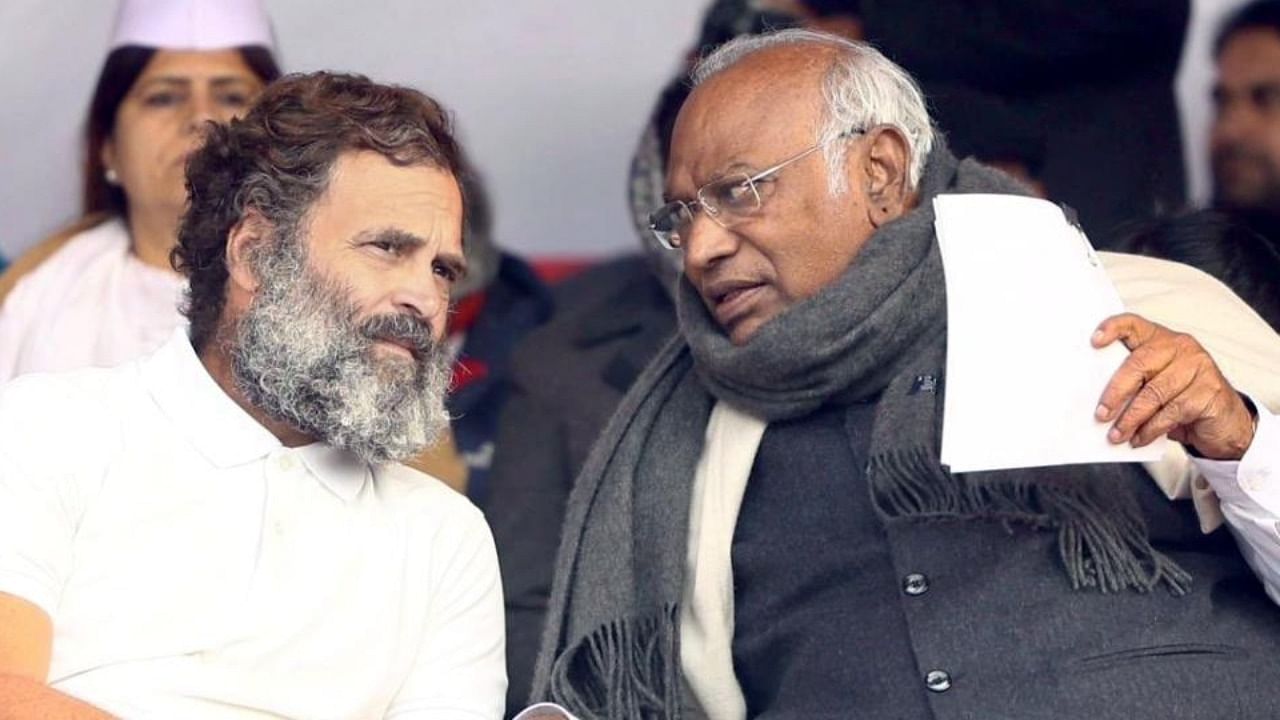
(1224, 245)
(1257, 15)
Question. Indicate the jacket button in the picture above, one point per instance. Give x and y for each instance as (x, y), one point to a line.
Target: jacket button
(937, 681)
(915, 584)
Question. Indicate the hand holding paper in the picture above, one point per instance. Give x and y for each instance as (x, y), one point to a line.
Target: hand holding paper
(1169, 384)
(1025, 292)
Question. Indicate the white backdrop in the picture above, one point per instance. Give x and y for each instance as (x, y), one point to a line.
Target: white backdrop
(549, 95)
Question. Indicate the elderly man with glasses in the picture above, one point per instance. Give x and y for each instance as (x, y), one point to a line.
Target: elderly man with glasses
(765, 528)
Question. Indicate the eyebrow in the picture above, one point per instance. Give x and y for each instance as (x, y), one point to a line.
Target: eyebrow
(1220, 89)
(402, 239)
(456, 263)
(394, 237)
(736, 167)
(220, 81)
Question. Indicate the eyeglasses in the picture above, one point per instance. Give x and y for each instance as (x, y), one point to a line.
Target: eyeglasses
(726, 200)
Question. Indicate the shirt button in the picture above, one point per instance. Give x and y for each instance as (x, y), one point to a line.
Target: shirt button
(286, 463)
(937, 681)
(915, 584)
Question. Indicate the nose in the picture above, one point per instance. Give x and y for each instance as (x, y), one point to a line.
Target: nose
(706, 244)
(202, 110)
(418, 294)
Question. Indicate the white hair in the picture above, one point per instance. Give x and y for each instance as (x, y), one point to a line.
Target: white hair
(862, 88)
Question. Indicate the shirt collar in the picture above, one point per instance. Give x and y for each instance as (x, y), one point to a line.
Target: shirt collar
(222, 431)
(340, 471)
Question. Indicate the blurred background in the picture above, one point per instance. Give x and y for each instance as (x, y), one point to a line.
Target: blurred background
(550, 97)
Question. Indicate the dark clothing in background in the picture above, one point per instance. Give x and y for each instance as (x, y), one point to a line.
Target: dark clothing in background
(514, 303)
(566, 379)
(1235, 248)
(1097, 77)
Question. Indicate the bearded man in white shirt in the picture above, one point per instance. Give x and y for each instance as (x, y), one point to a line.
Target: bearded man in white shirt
(232, 534)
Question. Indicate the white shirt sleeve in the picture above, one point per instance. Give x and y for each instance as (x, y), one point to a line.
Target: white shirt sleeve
(461, 672)
(38, 503)
(1249, 490)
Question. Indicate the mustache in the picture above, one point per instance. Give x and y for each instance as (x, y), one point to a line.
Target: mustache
(401, 329)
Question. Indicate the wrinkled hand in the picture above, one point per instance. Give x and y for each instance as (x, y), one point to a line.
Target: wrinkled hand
(1170, 385)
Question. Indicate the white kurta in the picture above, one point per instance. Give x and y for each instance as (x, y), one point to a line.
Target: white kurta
(195, 568)
(91, 304)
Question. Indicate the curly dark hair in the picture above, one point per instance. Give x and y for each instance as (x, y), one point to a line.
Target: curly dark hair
(277, 160)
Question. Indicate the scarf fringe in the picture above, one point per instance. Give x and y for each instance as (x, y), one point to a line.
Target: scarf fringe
(1103, 546)
(627, 668)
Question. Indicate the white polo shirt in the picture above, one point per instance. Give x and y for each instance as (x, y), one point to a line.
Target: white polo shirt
(196, 568)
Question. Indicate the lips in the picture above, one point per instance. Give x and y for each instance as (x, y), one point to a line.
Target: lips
(732, 300)
(407, 347)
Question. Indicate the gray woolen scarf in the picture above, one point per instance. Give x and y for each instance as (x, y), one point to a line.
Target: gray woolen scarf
(611, 643)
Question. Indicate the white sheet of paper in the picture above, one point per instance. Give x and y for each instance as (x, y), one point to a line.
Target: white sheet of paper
(1025, 292)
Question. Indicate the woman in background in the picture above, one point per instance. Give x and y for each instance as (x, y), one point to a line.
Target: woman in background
(102, 291)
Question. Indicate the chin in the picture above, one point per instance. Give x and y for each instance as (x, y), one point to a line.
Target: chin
(742, 332)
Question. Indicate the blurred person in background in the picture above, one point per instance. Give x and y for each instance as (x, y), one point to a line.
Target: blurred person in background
(1096, 79)
(499, 301)
(1244, 142)
(102, 291)
(995, 132)
(1237, 241)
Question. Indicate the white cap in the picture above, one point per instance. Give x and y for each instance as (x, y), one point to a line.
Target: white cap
(192, 24)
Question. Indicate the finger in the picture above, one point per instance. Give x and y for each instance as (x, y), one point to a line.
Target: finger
(1133, 330)
(1181, 412)
(1157, 393)
(1141, 366)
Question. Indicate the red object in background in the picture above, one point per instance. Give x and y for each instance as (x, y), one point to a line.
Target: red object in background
(465, 312)
(467, 371)
(557, 269)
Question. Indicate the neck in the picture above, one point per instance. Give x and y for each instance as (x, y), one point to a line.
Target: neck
(153, 234)
(216, 358)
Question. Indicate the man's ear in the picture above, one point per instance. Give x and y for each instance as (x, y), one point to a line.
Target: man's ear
(243, 240)
(885, 174)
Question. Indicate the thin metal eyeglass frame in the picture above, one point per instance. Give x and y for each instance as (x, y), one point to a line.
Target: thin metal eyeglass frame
(714, 213)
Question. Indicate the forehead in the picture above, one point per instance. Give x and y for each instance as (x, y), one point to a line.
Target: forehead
(1250, 56)
(766, 104)
(196, 65)
(368, 192)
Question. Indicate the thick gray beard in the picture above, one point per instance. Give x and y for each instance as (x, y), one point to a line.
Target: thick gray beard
(300, 355)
